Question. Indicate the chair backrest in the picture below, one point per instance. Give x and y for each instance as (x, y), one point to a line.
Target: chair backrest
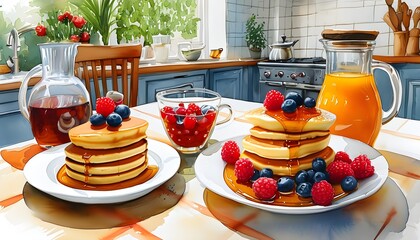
(106, 68)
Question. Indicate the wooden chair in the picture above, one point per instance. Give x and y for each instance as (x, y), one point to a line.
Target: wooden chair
(106, 68)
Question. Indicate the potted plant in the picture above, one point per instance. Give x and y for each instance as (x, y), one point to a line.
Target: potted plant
(101, 14)
(149, 18)
(255, 37)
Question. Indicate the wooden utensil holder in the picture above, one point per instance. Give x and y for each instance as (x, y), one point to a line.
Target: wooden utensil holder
(400, 43)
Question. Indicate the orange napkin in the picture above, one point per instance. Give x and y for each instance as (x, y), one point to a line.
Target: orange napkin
(18, 157)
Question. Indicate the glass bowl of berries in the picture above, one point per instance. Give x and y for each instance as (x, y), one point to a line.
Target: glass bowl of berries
(189, 116)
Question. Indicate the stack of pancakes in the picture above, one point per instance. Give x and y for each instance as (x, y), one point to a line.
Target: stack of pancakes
(287, 145)
(106, 155)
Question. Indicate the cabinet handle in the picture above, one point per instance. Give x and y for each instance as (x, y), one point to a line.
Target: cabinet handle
(9, 112)
(185, 85)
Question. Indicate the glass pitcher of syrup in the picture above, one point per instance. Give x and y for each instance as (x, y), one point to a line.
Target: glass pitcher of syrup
(349, 90)
(59, 101)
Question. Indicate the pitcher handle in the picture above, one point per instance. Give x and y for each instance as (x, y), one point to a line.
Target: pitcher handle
(23, 105)
(228, 117)
(396, 90)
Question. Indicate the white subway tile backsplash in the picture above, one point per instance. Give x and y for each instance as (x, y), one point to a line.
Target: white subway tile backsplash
(306, 19)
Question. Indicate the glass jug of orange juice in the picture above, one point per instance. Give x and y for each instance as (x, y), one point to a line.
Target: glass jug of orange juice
(349, 90)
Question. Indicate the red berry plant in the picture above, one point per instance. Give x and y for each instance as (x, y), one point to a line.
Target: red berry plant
(59, 27)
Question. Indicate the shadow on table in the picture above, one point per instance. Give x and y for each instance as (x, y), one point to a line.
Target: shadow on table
(98, 216)
(383, 213)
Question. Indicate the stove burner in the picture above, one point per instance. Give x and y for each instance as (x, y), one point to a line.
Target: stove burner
(315, 60)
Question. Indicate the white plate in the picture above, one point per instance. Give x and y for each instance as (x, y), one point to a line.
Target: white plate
(209, 168)
(41, 172)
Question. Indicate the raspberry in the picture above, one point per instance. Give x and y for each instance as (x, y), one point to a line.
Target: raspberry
(181, 111)
(362, 167)
(265, 188)
(105, 106)
(342, 156)
(338, 170)
(322, 193)
(273, 100)
(193, 108)
(244, 169)
(230, 152)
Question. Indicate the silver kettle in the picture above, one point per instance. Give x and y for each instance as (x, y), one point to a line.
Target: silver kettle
(282, 51)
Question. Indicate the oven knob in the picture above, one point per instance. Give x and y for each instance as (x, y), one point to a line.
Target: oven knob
(267, 74)
(280, 74)
(296, 75)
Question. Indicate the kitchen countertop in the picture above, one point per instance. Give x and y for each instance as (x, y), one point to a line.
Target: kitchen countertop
(150, 67)
(391, 213)
(397, 59)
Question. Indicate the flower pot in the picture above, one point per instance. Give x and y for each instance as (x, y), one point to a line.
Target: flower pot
(255, 54)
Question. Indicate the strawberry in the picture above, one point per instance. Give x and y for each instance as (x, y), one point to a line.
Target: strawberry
(362, 167)
(190, 121)
(265, 188)
(322, 193)
(244, 169)
(337, 170)
(273, 100)
(230, 152)
(105, 106)
(342, 156)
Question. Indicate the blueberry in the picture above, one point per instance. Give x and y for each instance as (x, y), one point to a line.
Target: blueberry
(206, 108)
(304, 189)
(289, 106)
(320, 176)
(348, 184)
(97, 119)
(301, 176)
(296, 97)
(123, 110)
(114, 120)
(309, 102)
(266, 172)
(256, 175)
(319, 164)
(311, 174)
(285, 184)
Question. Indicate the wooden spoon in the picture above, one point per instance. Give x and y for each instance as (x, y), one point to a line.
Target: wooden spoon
(394, 18)
(416, 16)
(406, 16)
(387, 20)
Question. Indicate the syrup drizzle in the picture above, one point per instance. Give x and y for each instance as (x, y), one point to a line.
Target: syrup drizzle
(143, 177)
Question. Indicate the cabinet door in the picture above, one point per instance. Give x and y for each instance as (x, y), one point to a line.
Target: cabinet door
(14, 127)
(410, 81)
(413, 103)
(228, 82)
(154, 83)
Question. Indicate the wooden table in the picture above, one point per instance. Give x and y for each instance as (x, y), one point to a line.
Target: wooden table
(391, 213)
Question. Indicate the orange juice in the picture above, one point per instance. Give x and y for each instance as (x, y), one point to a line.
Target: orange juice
(355, 101)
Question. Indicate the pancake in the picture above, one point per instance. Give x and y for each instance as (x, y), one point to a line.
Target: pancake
(271, 135)
(109, 167)
(83, 155)
(281, 149)
(288, 167)
(88, 136)
(259, 118)
(106, 179)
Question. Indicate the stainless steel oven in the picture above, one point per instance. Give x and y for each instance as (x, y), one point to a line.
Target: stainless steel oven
(302, 75)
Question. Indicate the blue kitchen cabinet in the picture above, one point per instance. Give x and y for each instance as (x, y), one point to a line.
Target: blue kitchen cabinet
(230, 82)
(150, 84)
(14, 127)
(410, 81)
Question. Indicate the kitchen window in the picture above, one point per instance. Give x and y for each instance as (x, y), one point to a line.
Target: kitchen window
(211, 28)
